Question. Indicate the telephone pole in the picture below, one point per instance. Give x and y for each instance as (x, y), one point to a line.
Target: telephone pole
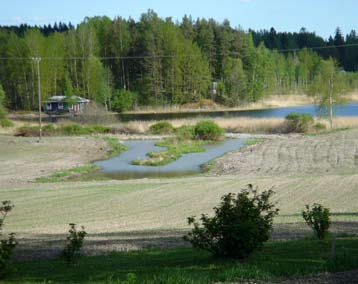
(37, 60)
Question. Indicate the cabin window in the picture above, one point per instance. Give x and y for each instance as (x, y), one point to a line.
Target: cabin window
(60, 105)
(49, 106)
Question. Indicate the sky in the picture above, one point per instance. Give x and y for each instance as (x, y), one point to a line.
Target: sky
(320, 16)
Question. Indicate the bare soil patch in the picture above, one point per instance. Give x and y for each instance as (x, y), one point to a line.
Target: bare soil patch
(23, 159)
(335, 153)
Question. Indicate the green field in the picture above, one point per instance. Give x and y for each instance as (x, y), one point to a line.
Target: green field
(276, 260)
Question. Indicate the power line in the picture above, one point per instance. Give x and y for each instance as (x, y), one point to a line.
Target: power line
(128, 57)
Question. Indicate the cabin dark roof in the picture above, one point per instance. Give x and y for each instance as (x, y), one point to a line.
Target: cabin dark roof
(58, 99)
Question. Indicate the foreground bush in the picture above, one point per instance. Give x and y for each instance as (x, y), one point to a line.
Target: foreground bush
(240, 225)
(162, 127)
(299, 122)
(208, 130)
(8, 244)
(74, 243)
(318, 218)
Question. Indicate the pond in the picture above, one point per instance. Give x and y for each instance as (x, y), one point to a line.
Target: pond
(349, 109)
(120, 167)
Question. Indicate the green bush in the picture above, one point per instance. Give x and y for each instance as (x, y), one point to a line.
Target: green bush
(185, 132)
(6, 245)
(162, 127)
(6, 123)
(74, 243)
(208, 130)
(299, 122)
(98, 129)
(318, 218)
(74, 129)
(319, 126)
(122, 100)
(240, 225)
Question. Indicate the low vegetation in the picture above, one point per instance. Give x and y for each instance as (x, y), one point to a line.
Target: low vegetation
(187, 139)
(7, 244)
(74, 243)
(299, 122)
(185, 265)
(318, 218)
(208, 130)
(69, 174)
(240, 225)
(162, 127)
(82, 172)
(115, 145)
(66, 130)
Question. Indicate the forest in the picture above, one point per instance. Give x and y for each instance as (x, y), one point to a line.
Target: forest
(122, 63)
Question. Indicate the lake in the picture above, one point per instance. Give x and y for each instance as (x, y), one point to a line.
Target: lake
(120, 167)
(349, 109)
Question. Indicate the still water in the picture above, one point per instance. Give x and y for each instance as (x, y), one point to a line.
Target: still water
(349, 109)
(120, 167)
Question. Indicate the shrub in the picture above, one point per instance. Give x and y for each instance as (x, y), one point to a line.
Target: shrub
(162, 127)
(6, 123)
(123, 100)
(74, 129)
(241, 224)
(98, 129)
(6, 245)
(27, 131)
(185, 132)
(208, 130)
(319, 126)
(318, 218)
(74, 243)
(299, 122)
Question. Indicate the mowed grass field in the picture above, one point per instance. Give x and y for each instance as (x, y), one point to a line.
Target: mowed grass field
(126, 215)
(132, 214)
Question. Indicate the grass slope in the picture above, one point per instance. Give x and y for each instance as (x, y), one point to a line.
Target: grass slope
(277, 259)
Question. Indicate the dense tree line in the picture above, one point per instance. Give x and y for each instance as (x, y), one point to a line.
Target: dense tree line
(153, 61)
(347, 57)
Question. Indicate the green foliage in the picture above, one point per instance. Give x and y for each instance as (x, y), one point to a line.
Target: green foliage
(208, 130)
(75, 129)
(319, 126)
(318, 218)
(185, 132)
(240, 225)
(162, 127)
(122, 100)
(116, 147)
(6, 123)
(252, 142)
(70, 174)
(69, 129)
(242, 62)
(175, 149)
(276, 260)
(299, 122)
(6, 245)
(74, 243)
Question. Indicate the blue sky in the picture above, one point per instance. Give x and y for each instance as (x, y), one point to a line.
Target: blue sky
(321, 16)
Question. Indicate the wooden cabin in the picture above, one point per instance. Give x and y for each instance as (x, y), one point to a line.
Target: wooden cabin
(63, 104)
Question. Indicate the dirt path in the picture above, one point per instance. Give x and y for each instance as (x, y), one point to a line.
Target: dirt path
(22, 159)
(335, 153)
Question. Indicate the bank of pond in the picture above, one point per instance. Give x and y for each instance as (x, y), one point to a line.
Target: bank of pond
(122, 166)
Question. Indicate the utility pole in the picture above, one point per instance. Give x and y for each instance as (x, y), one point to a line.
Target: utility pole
(37, 60)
